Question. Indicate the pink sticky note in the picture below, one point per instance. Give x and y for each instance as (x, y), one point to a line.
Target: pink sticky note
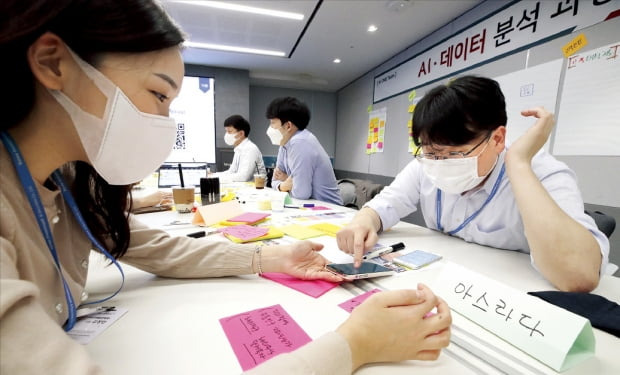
(313, 288)
(249, 217)
(319, 208)
(258, 335)
(245, 232)
(352, 303)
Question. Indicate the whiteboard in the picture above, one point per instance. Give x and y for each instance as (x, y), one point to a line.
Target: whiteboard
(194, 112)
(589, 114)
(528, 88)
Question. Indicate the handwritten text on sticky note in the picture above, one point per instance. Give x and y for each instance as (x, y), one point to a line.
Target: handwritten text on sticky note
(259, 335)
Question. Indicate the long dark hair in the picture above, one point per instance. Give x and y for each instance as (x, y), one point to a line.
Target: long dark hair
(90, 28)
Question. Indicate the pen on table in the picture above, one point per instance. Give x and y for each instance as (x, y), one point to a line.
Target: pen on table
(199, 234)
(384, 250)
(290, 206)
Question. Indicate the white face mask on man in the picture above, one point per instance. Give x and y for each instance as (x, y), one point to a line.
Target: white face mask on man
(125, 145)
(274, 135)
(230, 138)
(454, 176)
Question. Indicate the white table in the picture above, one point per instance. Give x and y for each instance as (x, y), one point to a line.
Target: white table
(172, 325)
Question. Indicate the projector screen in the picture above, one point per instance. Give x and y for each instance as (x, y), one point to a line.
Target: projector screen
(194, 113)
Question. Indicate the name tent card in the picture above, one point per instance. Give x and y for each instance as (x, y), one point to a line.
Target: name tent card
(262, 334)
(216, 212)
(552, 335)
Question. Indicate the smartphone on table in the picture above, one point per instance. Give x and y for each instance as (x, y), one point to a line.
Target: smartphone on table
(366, 270)
(416, 259)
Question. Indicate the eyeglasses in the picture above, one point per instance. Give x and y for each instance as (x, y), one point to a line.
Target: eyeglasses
(452, 154)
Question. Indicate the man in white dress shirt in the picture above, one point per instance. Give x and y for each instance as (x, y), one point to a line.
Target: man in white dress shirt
(470, 184)
(248, 158)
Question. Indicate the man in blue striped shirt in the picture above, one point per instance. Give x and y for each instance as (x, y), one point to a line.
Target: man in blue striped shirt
(303, 167)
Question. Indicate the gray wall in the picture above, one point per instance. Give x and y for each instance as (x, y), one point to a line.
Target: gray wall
(322, 122)
(232, 97)
(598, 176)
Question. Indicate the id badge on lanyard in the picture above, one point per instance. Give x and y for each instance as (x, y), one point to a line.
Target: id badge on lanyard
(475, 214)
(39, 212)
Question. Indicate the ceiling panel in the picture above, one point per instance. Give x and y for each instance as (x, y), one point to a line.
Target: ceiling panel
(338, 30)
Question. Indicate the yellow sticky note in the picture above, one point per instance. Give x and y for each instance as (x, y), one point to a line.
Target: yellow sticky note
(574, 45)
(327, 228)
(412, 95)
(300, 232)
(369, 109)
(411, 108)
(410, 123)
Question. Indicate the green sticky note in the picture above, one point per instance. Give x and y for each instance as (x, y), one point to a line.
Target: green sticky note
(412, 95)
(287, 199)
(369, 109)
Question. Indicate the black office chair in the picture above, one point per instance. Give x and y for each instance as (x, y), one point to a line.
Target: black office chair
(605, 223)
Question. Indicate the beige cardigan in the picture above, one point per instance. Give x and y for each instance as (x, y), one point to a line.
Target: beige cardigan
(32, 301)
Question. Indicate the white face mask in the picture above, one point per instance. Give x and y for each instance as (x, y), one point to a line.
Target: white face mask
(125, 145)
(274, 135)
(230, 138)
(454, 176)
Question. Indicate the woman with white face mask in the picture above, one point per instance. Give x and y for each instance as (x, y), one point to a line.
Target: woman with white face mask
(470, 184)
(87, 90)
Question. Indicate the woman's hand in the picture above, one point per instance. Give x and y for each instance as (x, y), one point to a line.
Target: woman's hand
(300, 259)
(524, 148)
(394, 326)
(154, 198)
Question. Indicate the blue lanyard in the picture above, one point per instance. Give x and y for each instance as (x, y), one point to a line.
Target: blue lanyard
(472, 216)
(39, 213)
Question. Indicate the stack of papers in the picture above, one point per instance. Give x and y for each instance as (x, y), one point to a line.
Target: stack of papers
(247, 218)
(247, 233)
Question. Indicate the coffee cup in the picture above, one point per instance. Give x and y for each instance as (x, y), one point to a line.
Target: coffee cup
(277, 200)
(259, 180)
(183, 198)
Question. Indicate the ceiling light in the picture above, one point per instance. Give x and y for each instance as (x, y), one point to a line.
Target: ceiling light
(372, 28)
(337, 61)
(221, 47)
(244, 8)
(398, 5)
